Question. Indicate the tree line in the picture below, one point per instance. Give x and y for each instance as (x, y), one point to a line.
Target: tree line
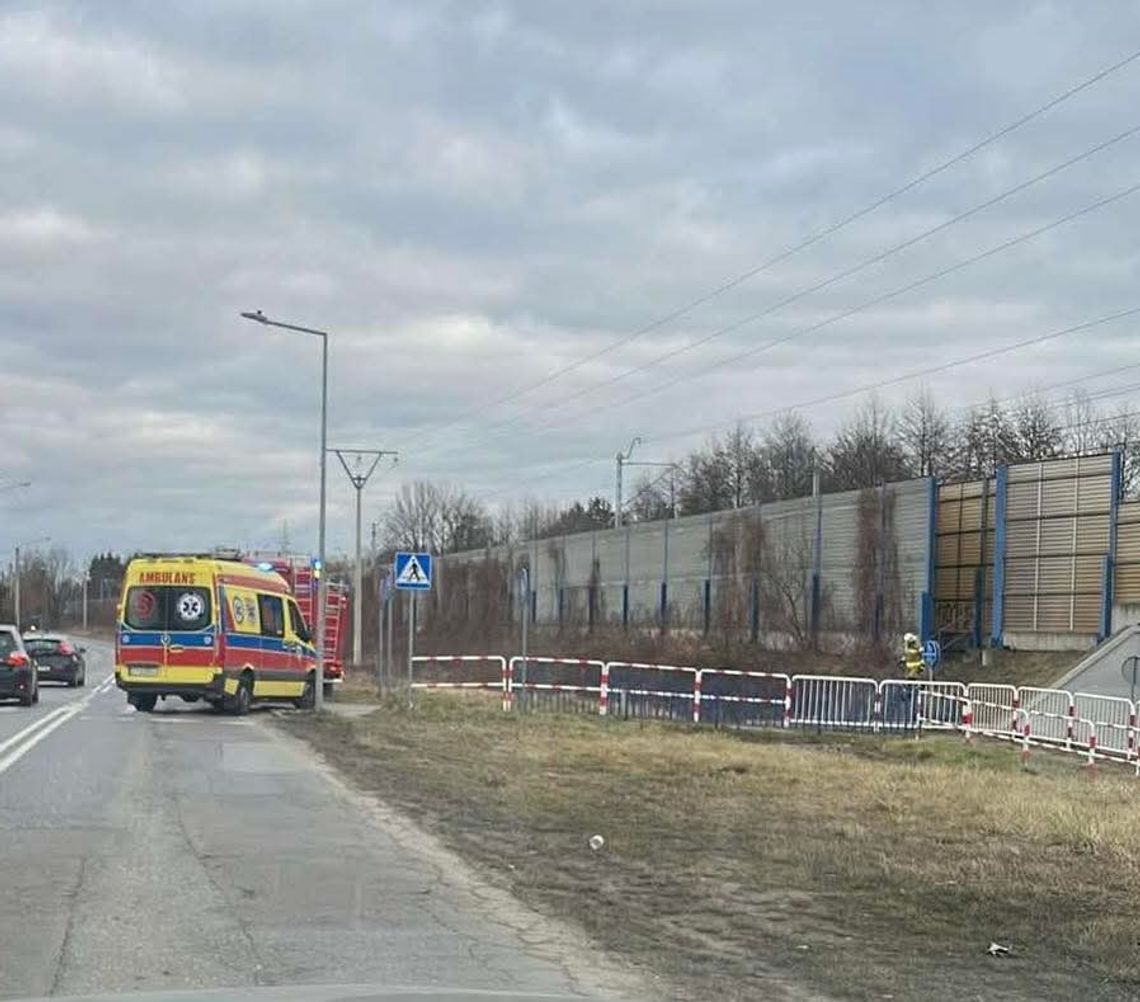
(51, 587)
(749, 466)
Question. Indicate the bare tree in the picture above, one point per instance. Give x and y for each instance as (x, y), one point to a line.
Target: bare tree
(984, 439)
(790, 456)
(651, 498)
(924, 433)
(728, 473)
(705, 482)
(596, 513)
(1121, 431)
(436, 517)
(1082, 434)
(866, 450)
(1036, 429)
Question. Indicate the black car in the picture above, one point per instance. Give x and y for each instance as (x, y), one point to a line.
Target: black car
(18, 678)
(57, 658)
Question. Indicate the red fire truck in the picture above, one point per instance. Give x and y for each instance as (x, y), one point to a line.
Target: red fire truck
(297, 570)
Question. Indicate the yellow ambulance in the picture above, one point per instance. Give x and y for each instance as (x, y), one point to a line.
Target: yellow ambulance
(198, 626)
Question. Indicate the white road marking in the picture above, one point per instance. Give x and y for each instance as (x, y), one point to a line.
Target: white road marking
(32, 735)
(33, 726)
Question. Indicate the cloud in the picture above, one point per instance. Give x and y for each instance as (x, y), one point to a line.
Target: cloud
(472, 198)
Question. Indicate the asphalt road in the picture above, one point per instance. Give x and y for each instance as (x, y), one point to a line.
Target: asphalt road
(184, 849)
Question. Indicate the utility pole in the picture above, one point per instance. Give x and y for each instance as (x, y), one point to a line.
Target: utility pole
(672, 474)
(622, 458)
(86, 580)
(16, 574)
(358, 477)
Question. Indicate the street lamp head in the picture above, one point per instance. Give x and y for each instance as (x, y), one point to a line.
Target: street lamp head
(257, 315)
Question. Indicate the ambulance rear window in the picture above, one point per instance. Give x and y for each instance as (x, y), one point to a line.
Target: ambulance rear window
(167, 607)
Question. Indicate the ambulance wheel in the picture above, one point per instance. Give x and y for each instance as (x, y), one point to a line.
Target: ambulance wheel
(239, 703)
(328, 689)
(306, 701)
(144, 702)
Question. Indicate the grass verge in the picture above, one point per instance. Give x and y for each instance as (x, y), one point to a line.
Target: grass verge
(764, 865)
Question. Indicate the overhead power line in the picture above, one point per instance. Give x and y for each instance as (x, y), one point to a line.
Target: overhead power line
(858, 390)
(842, 275)
(917, 373)
(727, 286)
(878, 300)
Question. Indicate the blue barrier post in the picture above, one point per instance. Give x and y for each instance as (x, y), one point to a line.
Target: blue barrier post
(1108, 581)
(928, 625)
(926, 617)
(1001, 490)
(754, 611)
(979, 604)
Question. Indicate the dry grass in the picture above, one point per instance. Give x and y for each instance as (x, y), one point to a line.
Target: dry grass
(1040, 668)
(741, 865)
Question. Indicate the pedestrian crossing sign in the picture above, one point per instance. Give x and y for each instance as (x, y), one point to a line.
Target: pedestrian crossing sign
(413, 571)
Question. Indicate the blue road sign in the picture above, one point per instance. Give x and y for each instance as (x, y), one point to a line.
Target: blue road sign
(931, 653)
(413, 571)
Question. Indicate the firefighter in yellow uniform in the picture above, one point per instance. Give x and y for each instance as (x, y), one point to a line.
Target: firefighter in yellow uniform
(913, 665)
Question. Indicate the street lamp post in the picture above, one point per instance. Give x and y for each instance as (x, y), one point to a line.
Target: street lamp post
(258, 317)
(16, 574)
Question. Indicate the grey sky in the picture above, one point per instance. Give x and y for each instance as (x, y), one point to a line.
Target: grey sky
(473, 195)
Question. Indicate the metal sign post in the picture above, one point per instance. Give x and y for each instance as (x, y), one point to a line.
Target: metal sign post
(931, 655)
(411, 642)
(524, 600)
(1130, 669)
(412, 572)
(389, 664)
(382, 600)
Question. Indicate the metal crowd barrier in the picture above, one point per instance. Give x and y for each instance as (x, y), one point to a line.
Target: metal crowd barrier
(726, 697)
(995, 709)
(1114, 720)
(1098, 727)
(566, 685)
(492, 669)
(833, 702)
(662, 692)
(1050, 713)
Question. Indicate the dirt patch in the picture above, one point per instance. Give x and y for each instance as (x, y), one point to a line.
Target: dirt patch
(750, 866)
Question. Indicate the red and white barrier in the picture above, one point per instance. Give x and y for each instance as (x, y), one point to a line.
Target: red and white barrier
(1096, 727)
(672, 688)
(996, 709)
(706, 690)
(494, 661)
(587, 672)
(1052, 712)
(1113, 721)
(930, 705)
